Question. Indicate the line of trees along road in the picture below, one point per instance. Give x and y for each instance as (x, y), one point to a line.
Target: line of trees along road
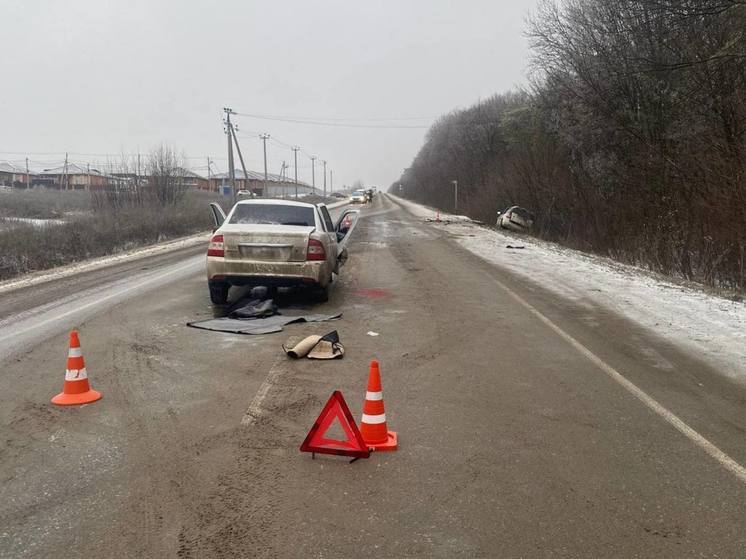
(629, 143)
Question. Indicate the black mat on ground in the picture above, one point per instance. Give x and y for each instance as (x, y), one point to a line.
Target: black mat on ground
(259, 325)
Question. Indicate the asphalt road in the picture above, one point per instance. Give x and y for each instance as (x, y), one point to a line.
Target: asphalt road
(515, 438)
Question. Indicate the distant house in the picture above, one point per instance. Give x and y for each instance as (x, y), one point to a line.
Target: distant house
(191, 179)
(11, 175)
(276, 185)
(74, 177)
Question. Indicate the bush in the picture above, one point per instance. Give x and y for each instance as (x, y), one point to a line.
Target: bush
(26, 248)
(43, 204)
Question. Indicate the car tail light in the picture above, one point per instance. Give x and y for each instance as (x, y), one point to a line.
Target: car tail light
(315, 250)
(216, 246)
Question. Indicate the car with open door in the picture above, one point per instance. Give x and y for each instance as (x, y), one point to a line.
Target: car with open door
(276, 243)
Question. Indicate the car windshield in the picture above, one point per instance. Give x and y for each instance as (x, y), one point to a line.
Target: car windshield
(273, 214)
(357, 193)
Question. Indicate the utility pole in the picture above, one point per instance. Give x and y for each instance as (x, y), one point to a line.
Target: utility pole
(264, 138)
(455, 195)
(324, 162)
(331, 180)
(284, 180)
(229, 132)
(295, 156)
(28, 178)
(64, 175)
(313, 174)
(209, 186)
(240, 156)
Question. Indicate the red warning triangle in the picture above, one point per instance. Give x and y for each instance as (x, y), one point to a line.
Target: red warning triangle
(335, 410)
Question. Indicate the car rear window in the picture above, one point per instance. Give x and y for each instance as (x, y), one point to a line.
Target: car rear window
(273, 214)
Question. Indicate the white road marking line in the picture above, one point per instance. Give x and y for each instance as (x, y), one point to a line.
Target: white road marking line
(58, 317)
(651, 403)
(255, 408)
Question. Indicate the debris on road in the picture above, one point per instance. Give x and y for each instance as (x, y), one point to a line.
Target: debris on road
(511, 246)
(254, 308)
(372, 333)
(258, 326)
(315, 347)
(336, 412)
(76, 390)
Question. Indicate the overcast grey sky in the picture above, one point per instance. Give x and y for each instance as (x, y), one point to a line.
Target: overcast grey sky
(98, 76)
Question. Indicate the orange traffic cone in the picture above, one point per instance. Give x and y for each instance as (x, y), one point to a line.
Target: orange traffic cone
(76, 389)
(373, 425)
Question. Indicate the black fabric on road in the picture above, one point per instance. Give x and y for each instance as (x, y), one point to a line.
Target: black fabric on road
(259, 326)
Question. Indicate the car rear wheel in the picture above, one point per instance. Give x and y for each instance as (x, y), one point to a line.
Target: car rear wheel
(321, 294)
(218, 292)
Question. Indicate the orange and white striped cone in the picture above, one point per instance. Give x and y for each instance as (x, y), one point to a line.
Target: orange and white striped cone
(76, 389)
(373, 425)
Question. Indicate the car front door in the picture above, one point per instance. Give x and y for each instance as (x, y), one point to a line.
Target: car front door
(331, 232)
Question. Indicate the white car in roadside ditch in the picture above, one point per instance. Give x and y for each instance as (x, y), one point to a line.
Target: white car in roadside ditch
(515, 219)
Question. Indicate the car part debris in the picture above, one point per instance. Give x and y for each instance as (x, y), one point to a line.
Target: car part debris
(372, 333)
(315, 347)
(255, 308)
(511, 246)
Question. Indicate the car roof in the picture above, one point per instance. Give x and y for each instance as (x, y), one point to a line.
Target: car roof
(276, 201)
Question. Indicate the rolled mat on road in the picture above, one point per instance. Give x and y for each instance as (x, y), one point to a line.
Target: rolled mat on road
(259, 326)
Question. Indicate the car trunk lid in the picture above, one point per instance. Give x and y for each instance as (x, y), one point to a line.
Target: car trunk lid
(266, 243)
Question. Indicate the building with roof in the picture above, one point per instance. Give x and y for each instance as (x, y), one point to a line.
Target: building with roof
(12, 175)
(276, 185)
(190, 179)
(74, 177)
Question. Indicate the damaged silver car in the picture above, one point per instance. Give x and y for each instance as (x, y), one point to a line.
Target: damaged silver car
(276, 243)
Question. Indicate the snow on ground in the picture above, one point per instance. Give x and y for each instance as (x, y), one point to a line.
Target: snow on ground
(711, 327)
(96, 263)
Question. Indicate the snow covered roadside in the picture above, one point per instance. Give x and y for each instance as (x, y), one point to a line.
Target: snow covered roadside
(96, 263)
(711, 327)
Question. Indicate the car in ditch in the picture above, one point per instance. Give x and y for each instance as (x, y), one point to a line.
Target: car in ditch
(515, 219)
(276, 243)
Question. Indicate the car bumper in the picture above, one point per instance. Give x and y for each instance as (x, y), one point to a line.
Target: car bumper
(281, 274)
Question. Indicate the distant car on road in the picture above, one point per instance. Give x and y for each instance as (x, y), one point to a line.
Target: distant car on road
(515, 219)
(358, 197)
(276, 243)
(339, 195)
(245, 194)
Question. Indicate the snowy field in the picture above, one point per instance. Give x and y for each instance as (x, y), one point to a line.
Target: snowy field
(712, 327)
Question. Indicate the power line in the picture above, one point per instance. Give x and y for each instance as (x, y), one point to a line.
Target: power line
(336, 124)
(344, 119)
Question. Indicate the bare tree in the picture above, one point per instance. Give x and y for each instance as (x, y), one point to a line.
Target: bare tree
(166, 175)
